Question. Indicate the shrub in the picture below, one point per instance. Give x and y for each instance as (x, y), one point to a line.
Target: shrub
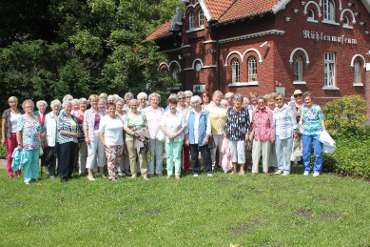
(345, 116)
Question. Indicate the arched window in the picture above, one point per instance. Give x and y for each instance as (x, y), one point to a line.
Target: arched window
(311, 14)
(175, 73)
(298, 68)
(200, 18)
(357, 68)
(329, 10)
(252, 68)
(235, 70)
(191, 21)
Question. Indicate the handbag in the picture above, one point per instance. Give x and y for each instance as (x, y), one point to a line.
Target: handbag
(160, 136)
(211, 142)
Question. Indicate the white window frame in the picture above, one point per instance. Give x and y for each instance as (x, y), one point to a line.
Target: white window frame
(357, 80)
(175, 73)
(200, 18)
(252, 69)
(329, 11)
(235, 70)
(298, 68)
(191, 21)
(329, 70)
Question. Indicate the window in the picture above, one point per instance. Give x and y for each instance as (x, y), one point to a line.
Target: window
(175, 73)
(329, 70)
(346, 21)
(298, 68)
(200, 18)
(357, 79)
(252, 68)
(329, 9)
(311, 14)
(235, 71)
(191, 21)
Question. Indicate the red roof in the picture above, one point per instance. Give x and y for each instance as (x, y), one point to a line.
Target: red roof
(244, 8)
(160, 32)
(223, 11)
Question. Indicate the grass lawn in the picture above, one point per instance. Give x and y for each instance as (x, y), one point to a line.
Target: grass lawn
(204, 211)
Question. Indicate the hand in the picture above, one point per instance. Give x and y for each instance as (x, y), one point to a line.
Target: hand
(2, 140)
(272, 141)
(78, 134)
(187, 142)
(87, 140)
(247, 137)
(205, 141)
(295, 134)
(20, 147)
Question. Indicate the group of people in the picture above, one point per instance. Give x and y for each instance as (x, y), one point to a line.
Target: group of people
(131, 136)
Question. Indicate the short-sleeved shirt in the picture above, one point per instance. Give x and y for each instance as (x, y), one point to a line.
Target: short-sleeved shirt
(31, 130)
(312, 120)
(113, 130)
(172, 123)
(134, 122)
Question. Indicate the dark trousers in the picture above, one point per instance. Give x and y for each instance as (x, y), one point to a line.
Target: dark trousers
(66, 157)
(206, 158)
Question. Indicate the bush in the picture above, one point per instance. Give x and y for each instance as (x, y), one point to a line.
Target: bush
(352, 157)
(345, 116)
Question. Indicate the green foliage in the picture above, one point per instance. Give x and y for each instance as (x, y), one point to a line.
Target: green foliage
(352, 157)
(345, 116)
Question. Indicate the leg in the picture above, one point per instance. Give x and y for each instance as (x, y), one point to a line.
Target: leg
(11, 144)
(206, 158)
(185, 151)
(91, 158)
(266, 153)
(82, 157)
(64, 159)
(234, 154)
(158, 157)
(241, 155)
(318, 154)
(132, 157)
(280, 151)
(306, 143)
(72, 146)
(143, 165)
(194, 158)
(256, 154)
(169, 156)
(176, 152)
(287, 151)
(27, 166)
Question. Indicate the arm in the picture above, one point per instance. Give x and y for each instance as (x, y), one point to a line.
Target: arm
(19, 140)
(86, 128)
(101, 136)
(323, 125)
(3, 131)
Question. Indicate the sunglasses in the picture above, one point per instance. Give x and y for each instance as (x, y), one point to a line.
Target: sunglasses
(298, 95)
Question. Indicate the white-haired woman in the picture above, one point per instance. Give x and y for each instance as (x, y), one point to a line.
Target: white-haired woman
(91, 130)
(237, 131)
(51, 120)
(199, 130)
(28, 137)
(142, 97)
(285, 130)
(40, 114)
(217, 116)
(134, 121)
(68, 132)
(124, 167)
(128, 96)
(9, 132)
(184, 108)
(154, 115)
(229, 97)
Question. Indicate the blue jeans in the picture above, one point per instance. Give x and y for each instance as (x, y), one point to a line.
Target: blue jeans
(317, 145)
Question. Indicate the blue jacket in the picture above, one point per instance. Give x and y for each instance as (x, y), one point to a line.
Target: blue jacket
(202, 127)
(18, 159)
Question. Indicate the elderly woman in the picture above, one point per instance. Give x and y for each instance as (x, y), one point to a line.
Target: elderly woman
(124, 167)
(128, 96)
(217, 116)
(229, 97)
(51, 120)
(270, 100)
(182, 106)
(91, 129)
(75, 106)
(135, 121)
(199, 130)
(296, 105)
(154, 116)
(111, 135)
(9, 132)
(68, 132)
(188, 95)
(264, 135)
(173, 125)
(312, 122)
(28, 137)
(111, 99)
(82, 147)
(285, 129)
(142, 97)
(40, 114)
(237, 131)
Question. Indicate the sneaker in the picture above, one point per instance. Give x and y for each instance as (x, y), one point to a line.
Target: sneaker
(91, 178)
(285, 174)
(195, 175)
(316, 174)
(209, 174)
(27, 183)
(145, 177)
(306, 173)
(278, 172)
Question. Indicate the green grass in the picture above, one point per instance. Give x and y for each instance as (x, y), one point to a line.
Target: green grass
(204, 211)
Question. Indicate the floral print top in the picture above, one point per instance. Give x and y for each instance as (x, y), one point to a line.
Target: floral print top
(31, 132)
(312, 120)
(237, 123)
(263, 124)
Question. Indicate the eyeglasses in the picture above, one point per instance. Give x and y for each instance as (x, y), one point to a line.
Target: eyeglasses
(278, 99)
(188, 96)
(182, 98)
(133, 105)
(298, 95)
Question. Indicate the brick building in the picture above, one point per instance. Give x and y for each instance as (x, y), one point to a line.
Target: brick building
(268, 45)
